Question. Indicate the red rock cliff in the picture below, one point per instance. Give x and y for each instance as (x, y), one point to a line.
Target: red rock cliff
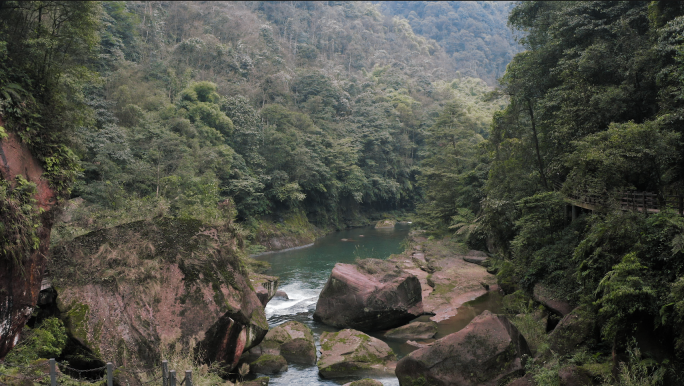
(20, 285)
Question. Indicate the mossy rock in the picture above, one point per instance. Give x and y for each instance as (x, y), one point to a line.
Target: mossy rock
(574, 330)
(269, 364)
(575, 376)
(261, 381)
(598, 370)
(364, 382)
(507, 278)
(517, 303)
(385, 224)
(350, 352)
(293, 340)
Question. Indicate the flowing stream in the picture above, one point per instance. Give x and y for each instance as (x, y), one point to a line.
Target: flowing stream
(303, 272)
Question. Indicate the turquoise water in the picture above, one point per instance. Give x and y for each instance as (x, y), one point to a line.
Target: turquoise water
(303, 272)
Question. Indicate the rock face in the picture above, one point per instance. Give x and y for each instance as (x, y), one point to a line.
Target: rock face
(475, 257)
(546, 297)
(293, 340)
(265, 287)
(489, 351)
(353, 352)
(20, 283)
(415, 330)
(574, 329)
(131, 291)
(373, 296)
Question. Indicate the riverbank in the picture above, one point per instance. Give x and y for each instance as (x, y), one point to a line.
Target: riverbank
(448, 281)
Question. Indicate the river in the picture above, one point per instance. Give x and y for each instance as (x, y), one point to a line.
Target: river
(303, 272)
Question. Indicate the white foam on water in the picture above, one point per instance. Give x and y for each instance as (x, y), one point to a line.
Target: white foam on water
(299, 300)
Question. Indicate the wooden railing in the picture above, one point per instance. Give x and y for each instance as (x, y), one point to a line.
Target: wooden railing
(644, 202)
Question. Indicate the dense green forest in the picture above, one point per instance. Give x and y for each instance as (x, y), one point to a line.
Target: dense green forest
(595, 109)
(286, 108)
(334, 112)
(473, 33)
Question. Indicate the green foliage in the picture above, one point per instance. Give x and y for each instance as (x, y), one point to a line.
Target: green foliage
(624, 298)
(533, 328)
(296, 115)
(480, 44)
(638, 371)
(623, 156)
(45, 54)
(582, 124)
(453, 172)
(44, 341)
(19, 220)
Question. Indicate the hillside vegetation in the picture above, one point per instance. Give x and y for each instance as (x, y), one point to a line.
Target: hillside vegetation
(595, 110)
(285, 108)
(474, 34)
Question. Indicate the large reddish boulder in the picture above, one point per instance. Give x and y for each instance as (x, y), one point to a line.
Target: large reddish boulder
(488, 351)
(20, 281)
(372, 295)
(132, 292)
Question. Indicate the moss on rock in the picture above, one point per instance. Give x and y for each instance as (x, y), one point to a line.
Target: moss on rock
(353, 352)
(269, 364)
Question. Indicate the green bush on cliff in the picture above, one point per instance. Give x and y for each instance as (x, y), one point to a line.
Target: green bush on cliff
(19, 219)
(45, 341)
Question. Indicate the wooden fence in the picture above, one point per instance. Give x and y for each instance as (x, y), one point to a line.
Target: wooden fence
(644, 202)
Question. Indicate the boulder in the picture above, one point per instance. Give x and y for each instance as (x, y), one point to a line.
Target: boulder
(281, 295)
(488, 351)
(385, 224)
(293, 340)
(575, 329)
(350, 352)
(475, 257)
(373, 295)
(269, 364)
(20, 282)
(264, 286)
(416, 344)
(364, 382)
(127, 291)
(415, 330)
(547, 297)
(574, 376)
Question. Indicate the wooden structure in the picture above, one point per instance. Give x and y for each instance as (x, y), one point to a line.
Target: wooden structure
(643, 202)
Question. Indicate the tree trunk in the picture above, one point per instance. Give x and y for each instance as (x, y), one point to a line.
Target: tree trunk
(536, 146)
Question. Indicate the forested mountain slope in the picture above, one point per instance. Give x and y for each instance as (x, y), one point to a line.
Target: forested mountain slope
(284, 107)
(474, 34)
(595, 111)
(282, 112)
